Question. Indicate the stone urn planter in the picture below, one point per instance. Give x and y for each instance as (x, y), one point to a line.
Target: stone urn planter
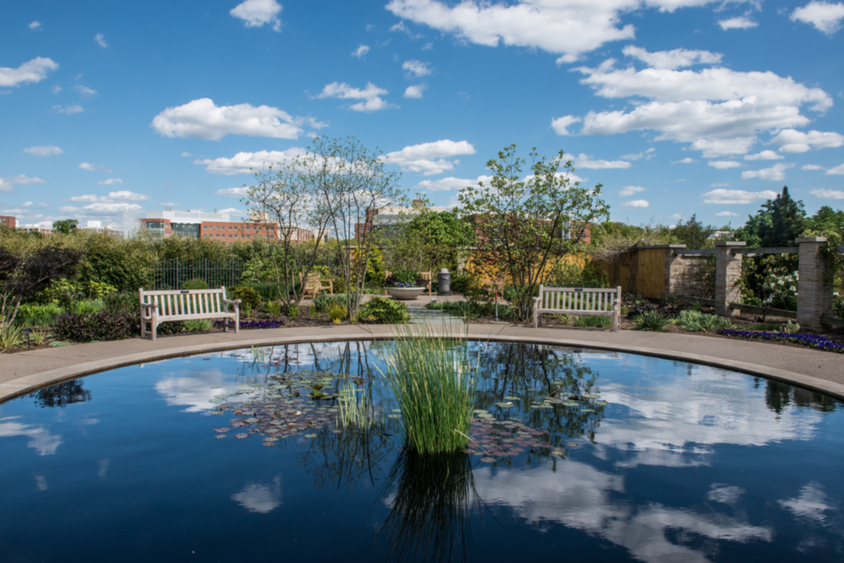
(405, 293)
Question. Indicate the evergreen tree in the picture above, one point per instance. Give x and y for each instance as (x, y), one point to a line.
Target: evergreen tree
(787, 220)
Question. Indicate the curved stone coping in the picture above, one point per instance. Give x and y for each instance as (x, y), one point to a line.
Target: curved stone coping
(26, 384)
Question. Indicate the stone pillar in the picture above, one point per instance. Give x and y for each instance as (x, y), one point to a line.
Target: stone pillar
(673, 269)
(727, 274)
(814, 286)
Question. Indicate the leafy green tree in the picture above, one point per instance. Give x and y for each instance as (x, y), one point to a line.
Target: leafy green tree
(65, 226)
(692, 233)
(521, 223)
(827, 219)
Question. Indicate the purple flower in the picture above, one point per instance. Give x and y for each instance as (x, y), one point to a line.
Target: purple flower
(809, 340)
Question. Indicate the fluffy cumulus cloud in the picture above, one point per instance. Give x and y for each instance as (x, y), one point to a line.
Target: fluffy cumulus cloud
(8, 184)
(35, 70)
(825, 16)
(774, 174)
(676, 58)
(35, 25)
(793, 141)
(430, 158)
(93, 167)
(726, 214)
(245, 162)
(202, 119)
(724, 164)
(764, 155)
(737, 197)
(119, 209)
(449, 184)
(112, 197)
(111, 182)
(636, 203)
(233, 192)
(838, 170)
(630, 190)
(417, 68)
(583, 161)
(828, 194)
(415, 91)
(718, 110)
(257, 13)
(371, 95)
(812, 167)
(561, 124)
(360, 51)
(687, 160)
(48, 150)
(740, 22)
(100, 40)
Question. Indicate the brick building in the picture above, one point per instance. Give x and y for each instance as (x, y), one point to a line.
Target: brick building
(212, 226)
(8, 221)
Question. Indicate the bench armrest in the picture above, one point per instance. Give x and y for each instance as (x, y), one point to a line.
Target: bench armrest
(232, 301)
(535, 300)
(149, 305)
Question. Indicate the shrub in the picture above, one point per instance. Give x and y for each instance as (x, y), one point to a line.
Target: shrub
(593, 321)
(38, 315)
(195, 283)
(123, 302)
(271, 291)
(95, 327)
(384, 310)
(460, 281)
(323, 303)
(337, 312)
(88, 307)
(249, 297)
(695, 321)
(293, 312)
(274, 308)
(652, 321)
(339, 285)
(10, 337)
(199, 325)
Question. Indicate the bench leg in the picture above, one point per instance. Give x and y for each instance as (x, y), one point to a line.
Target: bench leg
(154, 329)
(535, 318)
(237, 320)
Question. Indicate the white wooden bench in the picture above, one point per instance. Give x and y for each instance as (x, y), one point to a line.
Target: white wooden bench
(186, 305)
(578, 301)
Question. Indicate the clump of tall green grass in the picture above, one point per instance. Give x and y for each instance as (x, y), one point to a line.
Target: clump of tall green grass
(434, 381)
(354, 409)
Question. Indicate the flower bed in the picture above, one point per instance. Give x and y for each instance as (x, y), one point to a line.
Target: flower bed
(809, 340)
(266, 323)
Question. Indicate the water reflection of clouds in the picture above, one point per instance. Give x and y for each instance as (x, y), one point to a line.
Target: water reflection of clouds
(40, 438)
(581, 497)
(672, 420)
(811, 504)
(195, 390)
(256, 497)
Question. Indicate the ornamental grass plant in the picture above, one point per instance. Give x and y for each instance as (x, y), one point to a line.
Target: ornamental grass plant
(434, 380)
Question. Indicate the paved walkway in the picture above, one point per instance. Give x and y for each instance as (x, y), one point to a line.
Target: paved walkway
(819, 371)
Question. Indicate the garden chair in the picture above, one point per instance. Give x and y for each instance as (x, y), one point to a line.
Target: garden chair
(313, 284)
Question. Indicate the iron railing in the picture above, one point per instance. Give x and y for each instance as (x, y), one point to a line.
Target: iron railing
(171, 274)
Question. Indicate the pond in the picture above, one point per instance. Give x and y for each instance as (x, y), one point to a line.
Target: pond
(574, 454)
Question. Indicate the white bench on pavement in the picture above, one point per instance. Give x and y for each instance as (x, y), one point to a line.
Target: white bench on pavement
(186, 305)
(578, 301)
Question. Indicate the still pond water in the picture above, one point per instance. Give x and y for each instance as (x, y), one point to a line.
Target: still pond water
(575, 455)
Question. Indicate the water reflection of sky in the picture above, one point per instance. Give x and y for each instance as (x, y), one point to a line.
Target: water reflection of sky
(688, 463)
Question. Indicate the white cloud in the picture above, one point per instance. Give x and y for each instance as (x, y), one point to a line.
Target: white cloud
(838, 170)
(415, 91)
(561, 124)
(40, 438)
(430, 158)
(186, 154)
(724, 164)
(112, 197)
(826, 17)
(371, 95)
(110, 182)
(127, 195)
(262, 499)
(100, 39)
(726, 214)
(630, 190)
(360, 51)
(795, 142)
(233, 192)
(828, 194)
(636, 203)
(812, 167)
(740, 22)
(85, 90)
(204, 120)
(417, 68)
(93, 167)
(8, 184)
(582, 161)
(773, 174)
(103, 208)
(35, 25)
(450, 183)
(686, 160)
(718, 110)
(35, 70)
(256, 13)
(69, 110)
(764, 155)
(672, 59)
(48, 150)
(811, 504)
(57, 89)
(27, 204)
(719, 184)
(245, 162)
(737, 197)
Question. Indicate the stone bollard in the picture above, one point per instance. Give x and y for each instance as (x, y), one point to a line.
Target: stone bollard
(814, 286)
(727, 274)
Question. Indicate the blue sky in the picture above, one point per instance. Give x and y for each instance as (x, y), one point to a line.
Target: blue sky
(677, 107)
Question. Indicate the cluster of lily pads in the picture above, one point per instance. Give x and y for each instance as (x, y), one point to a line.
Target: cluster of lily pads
(809, 340)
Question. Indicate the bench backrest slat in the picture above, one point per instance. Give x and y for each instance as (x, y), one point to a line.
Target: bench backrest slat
(180, 303)
(580, 299)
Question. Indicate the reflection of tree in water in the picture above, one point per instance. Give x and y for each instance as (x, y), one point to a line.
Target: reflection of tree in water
(536, 374)
(433, 500)
(62, 395)
(778, 397)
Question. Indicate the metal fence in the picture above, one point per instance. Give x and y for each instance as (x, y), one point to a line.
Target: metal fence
(171, 274)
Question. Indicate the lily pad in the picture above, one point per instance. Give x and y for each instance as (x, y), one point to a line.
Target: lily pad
(488, 459)
(601, 403)
(241, 436)
(507, 405)
(223, 400)
(512, 398)
(572, 444)
(571, 404)
(591, 396)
